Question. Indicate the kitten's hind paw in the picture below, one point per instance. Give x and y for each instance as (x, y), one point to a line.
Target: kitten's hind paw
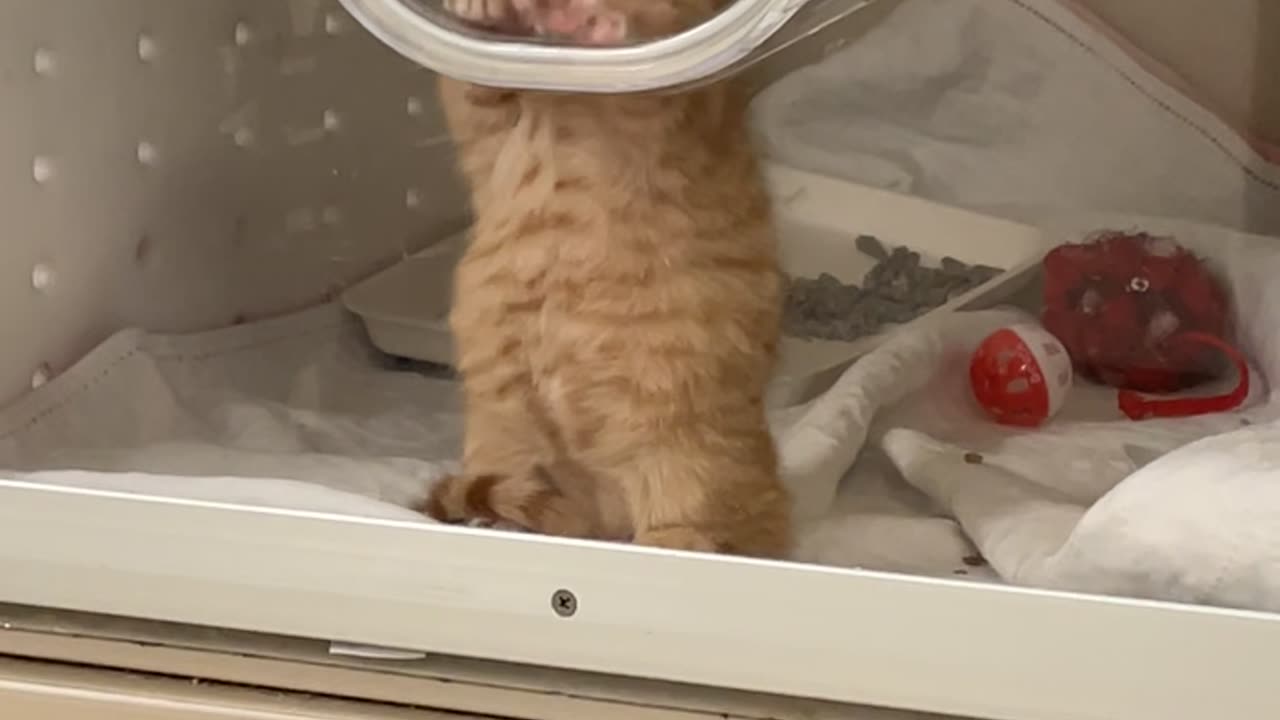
(530, 500)
(442, 505)
(461, 499)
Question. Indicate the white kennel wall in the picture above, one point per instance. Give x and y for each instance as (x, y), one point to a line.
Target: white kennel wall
(1231, 67)
(184, 164)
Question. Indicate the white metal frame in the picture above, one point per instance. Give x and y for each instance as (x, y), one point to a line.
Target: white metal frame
(846, 636)
(60, 692)
(457, 685)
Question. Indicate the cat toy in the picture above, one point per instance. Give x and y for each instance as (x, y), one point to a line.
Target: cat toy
(1142, 314)
(1020, 375)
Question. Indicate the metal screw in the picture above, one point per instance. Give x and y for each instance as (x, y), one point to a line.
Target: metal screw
(564, 603)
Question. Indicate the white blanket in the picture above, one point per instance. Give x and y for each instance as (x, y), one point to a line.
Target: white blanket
(296, 412)
(299, 413)
(1091, 501)
(1023, 109)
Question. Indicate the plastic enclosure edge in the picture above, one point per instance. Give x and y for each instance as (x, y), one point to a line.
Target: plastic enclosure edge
(699, 53)
(865, 638)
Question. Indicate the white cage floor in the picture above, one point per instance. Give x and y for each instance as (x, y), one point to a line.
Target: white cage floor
(299, 412)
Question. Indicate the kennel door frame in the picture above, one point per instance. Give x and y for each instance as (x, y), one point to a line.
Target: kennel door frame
(949, 647)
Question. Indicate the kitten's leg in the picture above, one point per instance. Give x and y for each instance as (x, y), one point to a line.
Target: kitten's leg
(505, 441)
(509, 471)
(513, 469)
(683, 488)
(515, 475)
(710, 499)
(516, 470)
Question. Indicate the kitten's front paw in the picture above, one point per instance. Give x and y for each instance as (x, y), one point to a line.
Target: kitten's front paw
(492, 14)
(587, 22)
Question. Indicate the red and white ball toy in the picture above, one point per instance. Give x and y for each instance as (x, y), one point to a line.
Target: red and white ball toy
(1021, 375)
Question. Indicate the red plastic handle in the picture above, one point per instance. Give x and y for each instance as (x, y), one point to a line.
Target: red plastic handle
(1137, 407)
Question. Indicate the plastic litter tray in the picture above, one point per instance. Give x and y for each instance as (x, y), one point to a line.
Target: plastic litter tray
(819, 218)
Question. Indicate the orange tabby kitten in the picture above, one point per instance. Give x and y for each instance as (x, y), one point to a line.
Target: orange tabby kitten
(616, 312)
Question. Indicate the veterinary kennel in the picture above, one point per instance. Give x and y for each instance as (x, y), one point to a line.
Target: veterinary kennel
(229, 227)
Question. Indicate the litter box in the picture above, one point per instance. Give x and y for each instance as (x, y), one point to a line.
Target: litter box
(405, 307)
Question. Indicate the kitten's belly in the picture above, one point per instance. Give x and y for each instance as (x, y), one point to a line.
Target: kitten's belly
(667, 362)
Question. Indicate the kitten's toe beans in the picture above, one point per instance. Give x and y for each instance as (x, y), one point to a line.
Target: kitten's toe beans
(605, 29)
(582, 21)
(466, 9)
(481, 12)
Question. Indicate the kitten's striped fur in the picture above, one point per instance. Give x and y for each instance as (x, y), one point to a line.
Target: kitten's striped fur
(616, 313)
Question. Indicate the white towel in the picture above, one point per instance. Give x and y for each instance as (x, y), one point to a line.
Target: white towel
(295, 412)
(1177, 509)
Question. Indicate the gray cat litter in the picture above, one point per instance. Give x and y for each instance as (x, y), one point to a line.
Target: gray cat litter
(896, 290)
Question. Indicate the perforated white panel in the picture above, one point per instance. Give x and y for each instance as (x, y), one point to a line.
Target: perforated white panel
(184, 164)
